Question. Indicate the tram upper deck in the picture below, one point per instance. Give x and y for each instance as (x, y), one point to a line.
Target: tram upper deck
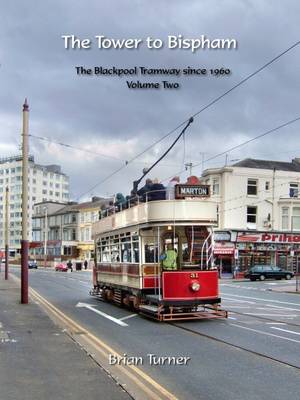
(178, 211)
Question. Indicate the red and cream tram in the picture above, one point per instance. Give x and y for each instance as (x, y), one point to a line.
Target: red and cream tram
(130, 267)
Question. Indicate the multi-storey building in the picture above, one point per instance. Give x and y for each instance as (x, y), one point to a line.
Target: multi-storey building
(64, 231)
(259, 212)
(45, 182)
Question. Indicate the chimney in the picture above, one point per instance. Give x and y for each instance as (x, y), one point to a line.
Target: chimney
(95, 198)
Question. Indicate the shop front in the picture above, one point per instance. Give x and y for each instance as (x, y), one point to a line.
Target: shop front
(252, 248)
(224, 252)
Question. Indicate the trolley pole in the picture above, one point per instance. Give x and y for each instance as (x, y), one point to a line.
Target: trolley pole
(24, 241)
(6, 232)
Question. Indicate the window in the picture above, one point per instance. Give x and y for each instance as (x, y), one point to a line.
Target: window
(251, 214)
(215, 186)
(267, 185)
(285, 218)
(87, 234)
(252, 187)
(44, 191)
(293, 189)
(296, 219)
(44, 183)
(67, 251)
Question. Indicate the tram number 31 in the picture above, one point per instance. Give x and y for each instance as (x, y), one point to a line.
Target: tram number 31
(194, 275)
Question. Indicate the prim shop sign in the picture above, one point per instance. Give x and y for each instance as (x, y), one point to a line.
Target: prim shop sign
(183, 191)
(268, 237)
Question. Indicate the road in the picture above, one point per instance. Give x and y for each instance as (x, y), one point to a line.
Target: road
(254, 354)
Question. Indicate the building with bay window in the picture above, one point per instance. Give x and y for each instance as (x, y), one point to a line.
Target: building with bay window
(258, 201)
(63, 232)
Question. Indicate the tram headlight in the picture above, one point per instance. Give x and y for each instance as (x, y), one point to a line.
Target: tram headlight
(195, 286)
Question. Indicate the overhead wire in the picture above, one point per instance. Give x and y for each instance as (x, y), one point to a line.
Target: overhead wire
(49, 140)
(200, 111)
(242, 144)
(218, 98)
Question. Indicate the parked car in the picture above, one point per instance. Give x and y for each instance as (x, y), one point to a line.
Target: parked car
(263, 272)
(32, 264)
(61, 267)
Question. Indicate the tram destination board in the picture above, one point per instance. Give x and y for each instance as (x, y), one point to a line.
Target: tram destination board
(183, 191)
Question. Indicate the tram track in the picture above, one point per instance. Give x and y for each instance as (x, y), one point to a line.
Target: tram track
(263, 318)
(254, 352)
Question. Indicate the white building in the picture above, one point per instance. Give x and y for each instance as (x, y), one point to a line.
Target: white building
(257, 200)
(45, 182)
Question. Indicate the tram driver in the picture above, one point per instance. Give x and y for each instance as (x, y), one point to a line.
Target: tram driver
(169, 259)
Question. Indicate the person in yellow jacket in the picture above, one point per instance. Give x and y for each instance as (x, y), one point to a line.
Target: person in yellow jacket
(169, 259)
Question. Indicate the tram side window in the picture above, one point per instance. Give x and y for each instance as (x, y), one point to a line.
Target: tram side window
(105, 254)
(135, 252)
(115, 254)
(98, 250)
(125, 250)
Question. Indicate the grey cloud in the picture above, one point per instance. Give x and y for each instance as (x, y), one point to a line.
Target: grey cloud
(81, 110)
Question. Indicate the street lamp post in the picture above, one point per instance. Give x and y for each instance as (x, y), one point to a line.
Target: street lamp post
(46, 237)
(24, 242)
(6, 232)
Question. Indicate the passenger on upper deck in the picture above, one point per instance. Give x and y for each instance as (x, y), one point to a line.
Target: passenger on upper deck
(120, 202)
(170, 193)
(157, 192)
(193, 180)
(146, 188)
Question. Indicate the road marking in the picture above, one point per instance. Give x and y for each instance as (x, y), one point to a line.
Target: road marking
(231, 318)
(265, 333)
(233, 306)
(241, 301)
(286, 330)
(107, 316)
(275, 323)
(258, 298)
(273, 315)
(131, 371)
(128, 316)
(283, 308)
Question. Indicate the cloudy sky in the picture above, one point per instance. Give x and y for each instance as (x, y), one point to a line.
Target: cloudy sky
(101, 115)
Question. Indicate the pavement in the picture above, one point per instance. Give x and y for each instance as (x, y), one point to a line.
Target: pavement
(40, 361)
